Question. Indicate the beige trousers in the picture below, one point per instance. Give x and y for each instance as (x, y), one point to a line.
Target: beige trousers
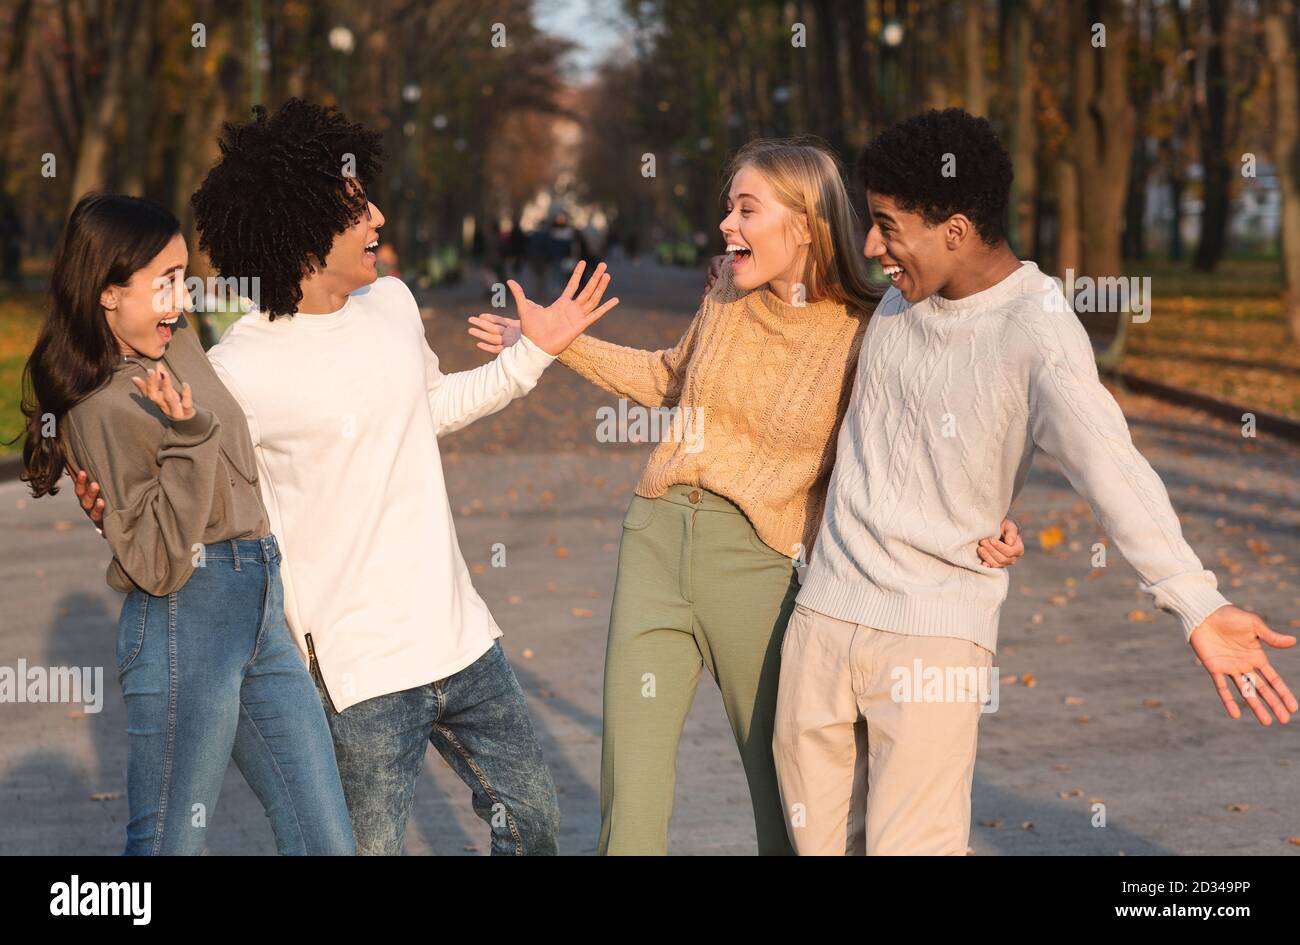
(875, 737)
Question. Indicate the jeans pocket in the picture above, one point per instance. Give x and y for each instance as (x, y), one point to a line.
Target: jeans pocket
(639, 513)
(131, 628)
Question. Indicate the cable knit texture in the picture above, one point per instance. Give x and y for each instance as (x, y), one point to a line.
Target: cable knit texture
(952, 399)
(765, 383)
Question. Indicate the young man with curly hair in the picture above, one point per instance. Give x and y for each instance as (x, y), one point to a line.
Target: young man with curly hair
(345, 403)
(972, 363)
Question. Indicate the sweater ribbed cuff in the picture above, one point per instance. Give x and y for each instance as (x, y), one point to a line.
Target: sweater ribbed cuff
(194, 430)
(1191, 596)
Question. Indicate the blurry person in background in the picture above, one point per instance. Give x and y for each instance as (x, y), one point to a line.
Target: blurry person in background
(563, 249)
(386, 261)
(516, 249)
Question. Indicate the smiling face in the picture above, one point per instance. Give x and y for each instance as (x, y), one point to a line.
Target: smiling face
(351, 260)
(769, 242)
(915, 255)
(141, 313)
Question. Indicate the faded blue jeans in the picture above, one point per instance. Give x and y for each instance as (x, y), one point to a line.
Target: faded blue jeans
(210, 673)
(479, 722)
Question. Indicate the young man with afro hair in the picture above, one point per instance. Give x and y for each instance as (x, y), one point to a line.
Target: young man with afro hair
(345, 403)
(971, 364)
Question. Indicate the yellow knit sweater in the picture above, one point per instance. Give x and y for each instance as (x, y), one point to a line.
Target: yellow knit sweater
(762, 386)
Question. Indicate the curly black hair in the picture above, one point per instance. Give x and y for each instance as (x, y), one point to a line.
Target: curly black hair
(272, 204)
(910, 162)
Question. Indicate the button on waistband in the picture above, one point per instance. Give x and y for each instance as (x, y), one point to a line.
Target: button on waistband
(694, 496)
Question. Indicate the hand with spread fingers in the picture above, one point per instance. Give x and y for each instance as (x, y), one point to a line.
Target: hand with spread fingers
(1228, 645)
(552, 328)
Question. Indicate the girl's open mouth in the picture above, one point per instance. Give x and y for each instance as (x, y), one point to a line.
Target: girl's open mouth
(371, 247)
(740, 255)
(165, 328)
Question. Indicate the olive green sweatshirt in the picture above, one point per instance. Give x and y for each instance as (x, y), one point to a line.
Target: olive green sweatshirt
(168, 487)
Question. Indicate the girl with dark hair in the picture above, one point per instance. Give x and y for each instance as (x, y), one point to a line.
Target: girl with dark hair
(207, 667)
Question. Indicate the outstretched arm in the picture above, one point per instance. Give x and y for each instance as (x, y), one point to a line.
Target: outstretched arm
(650, 378)
(456, 400)
(1076, 420)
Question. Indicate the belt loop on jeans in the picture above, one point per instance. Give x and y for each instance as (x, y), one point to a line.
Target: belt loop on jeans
(234, 547)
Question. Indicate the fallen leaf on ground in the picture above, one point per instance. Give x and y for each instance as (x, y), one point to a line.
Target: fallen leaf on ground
(1049, 538)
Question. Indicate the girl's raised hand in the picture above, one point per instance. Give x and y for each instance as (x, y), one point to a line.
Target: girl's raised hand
(551, 328)
(157, 386)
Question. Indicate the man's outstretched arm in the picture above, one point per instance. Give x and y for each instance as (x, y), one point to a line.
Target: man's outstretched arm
(1076, 420)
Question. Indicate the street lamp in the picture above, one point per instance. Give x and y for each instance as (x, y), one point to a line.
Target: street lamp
(341, 40)
(891, 37)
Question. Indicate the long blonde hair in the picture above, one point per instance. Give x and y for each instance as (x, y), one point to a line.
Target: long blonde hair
(808, 180)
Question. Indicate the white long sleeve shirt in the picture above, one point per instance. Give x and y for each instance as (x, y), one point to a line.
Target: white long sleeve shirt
(952, 400)
(345, 410)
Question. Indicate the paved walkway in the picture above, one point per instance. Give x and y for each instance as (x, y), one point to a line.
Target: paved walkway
(1118, 712)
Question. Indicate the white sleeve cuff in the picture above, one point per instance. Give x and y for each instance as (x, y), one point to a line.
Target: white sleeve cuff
(525, 361)
(1191, 596)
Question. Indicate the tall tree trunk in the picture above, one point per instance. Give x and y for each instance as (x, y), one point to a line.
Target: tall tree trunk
(976, 88)
(93, 149)
(1024, 129)
(1176, 185)
(11, 84)
(1135, 202)
(1281, 38)
(930, 36)
(1069, 234)
(1103, 128)
(142, 105)
(827, 44)
(862, 91)
(1214, 144)
(212, 101)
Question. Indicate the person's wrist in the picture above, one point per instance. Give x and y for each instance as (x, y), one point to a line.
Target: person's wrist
(538, 350)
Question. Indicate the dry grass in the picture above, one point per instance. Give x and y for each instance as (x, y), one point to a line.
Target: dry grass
(1222, 335)
(20, 318)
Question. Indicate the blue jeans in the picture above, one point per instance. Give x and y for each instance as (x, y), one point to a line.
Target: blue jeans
(479, 722)
(210, 673)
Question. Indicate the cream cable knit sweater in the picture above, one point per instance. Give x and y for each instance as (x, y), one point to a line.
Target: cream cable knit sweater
(952, 400)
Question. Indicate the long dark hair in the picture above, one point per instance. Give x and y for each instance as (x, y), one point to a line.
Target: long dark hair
(107, 239)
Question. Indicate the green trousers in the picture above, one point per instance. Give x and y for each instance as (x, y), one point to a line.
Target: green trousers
(696, 588)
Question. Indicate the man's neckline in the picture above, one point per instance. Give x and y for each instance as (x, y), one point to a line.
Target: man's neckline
(324, 318)
(999, 291)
